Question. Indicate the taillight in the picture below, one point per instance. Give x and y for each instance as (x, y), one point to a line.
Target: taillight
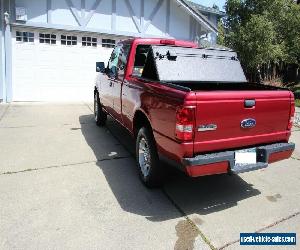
(185, 122)
(167, 42)
(292, 115)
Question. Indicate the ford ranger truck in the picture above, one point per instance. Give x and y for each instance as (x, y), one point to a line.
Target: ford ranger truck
(192, 108)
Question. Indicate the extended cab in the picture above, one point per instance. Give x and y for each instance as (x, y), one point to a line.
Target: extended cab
(193, 108)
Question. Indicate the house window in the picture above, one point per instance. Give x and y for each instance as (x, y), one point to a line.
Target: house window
(24, 37)
(89, 41)
(68, 40)
(47, 38)
(108, 43)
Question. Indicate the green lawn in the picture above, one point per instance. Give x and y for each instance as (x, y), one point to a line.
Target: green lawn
(297, 101)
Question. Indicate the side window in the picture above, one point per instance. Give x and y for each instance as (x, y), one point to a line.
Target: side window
(113, 61)
(124, 52)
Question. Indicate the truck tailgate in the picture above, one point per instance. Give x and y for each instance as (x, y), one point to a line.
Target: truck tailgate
(219, 116)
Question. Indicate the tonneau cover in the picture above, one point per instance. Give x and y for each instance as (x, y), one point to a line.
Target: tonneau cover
(195, 64)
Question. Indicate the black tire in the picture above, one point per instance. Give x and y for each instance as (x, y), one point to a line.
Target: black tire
(100, 115)
(152, 174)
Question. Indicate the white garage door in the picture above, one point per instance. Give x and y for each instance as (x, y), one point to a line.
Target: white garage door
(56, 66)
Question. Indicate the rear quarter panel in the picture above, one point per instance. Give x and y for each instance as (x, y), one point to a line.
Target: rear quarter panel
(159, 103)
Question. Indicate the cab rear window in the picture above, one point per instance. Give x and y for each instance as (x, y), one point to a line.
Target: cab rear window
(140, 59)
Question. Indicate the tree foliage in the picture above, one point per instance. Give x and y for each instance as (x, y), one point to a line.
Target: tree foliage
(221, 33)
(263, 32)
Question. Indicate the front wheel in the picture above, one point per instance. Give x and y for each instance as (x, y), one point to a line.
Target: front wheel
(99, 114)
(150, 170)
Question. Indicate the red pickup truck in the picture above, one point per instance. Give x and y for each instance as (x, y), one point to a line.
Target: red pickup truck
(193, 108)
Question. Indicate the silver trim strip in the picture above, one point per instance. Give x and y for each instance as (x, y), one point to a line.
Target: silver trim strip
(207, 127)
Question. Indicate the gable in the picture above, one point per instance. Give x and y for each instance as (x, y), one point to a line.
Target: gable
(140, 18)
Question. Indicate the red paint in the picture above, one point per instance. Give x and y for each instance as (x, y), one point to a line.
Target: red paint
(160, 104)
(280, 156)
(209, 169)
(232, 141)
(292, 114)
(226, 110)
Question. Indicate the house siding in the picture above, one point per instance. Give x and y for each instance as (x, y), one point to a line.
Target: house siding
(138, 18)
(114, 19)
(2, 62)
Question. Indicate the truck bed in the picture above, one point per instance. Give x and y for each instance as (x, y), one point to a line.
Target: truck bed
(223, 86)
(224, 106)
(215, 83)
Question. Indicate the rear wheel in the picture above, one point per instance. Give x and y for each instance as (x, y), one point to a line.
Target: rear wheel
(100, 115)
(150, 170)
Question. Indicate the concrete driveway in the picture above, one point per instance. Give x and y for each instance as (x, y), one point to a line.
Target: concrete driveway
(67, 184)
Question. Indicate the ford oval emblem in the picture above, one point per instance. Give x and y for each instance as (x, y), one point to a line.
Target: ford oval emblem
(248, 123)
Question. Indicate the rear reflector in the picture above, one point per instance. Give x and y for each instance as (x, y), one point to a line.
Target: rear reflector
(208, 169)
(278, 156)
(185, 122)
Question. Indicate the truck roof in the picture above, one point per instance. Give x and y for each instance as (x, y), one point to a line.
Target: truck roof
(162, 41)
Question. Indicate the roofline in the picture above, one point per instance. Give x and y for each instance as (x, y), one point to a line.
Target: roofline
(198, 16)
(205, 9)
(219, 13)
(161, 41)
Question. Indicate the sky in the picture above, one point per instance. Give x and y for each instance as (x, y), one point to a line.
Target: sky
(209, 3)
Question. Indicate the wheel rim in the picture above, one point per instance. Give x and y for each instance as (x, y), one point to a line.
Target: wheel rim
(144, 157)
(96, 107)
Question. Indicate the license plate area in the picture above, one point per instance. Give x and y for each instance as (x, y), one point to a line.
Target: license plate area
(245, 156)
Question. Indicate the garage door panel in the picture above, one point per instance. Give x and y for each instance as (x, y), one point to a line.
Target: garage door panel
(55, 72)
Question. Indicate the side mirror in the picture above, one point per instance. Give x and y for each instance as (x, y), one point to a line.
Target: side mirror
(100, 67)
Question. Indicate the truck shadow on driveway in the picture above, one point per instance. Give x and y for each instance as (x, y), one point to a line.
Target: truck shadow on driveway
(200, 196)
